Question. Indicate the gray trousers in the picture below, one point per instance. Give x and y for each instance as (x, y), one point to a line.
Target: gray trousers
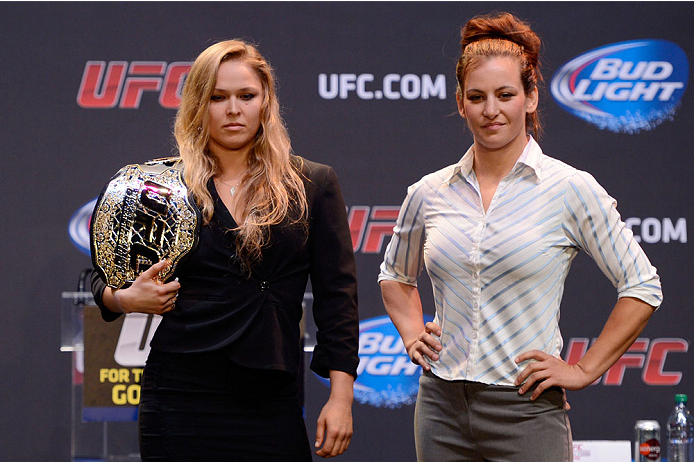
(462, 421)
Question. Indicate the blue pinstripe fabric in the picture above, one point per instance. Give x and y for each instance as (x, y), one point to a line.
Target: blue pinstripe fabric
(498, 277)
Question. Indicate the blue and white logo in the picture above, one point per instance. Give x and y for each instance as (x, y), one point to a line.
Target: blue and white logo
(624, 87)
(78, 229)
(386, 376)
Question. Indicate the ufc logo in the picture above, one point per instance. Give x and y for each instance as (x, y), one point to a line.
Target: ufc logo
(122, 84)
(645, 354)
(370, 226)
(148, 226)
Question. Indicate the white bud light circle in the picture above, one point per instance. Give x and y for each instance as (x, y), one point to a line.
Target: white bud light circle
(386, 376)
(78, 228)
(624, 87)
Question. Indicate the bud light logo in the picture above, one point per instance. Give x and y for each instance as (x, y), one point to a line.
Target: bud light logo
(625, 87)
(386, 376)
(78, 229)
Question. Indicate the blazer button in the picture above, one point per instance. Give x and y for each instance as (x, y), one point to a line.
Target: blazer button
(264, 286)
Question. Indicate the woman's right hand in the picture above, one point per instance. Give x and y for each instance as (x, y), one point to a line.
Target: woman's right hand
(425, 345)
(148, 294)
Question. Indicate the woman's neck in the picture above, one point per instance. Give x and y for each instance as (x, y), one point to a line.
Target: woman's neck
(231, 164)
(495, 164)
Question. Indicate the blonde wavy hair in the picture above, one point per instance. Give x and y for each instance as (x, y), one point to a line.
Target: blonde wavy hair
(274, 189)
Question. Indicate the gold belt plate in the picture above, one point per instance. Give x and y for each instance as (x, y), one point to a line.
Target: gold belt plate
(145, 214)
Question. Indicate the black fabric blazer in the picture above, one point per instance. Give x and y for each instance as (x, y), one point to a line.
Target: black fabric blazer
(255, 318)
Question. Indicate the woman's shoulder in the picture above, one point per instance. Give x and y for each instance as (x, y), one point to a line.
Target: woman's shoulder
(316, 176)
(310, 169)
(571, 179)
(433, 181)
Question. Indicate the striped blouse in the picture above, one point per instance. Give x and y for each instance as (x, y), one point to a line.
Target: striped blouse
(498, 277)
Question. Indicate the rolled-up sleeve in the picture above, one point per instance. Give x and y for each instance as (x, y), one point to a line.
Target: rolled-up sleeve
(404, 256)
(333, 279)
(594, 225)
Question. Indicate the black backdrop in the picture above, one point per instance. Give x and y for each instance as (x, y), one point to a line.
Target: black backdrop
(57, 156)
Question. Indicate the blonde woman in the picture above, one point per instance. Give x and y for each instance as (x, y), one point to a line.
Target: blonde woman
(221, 379)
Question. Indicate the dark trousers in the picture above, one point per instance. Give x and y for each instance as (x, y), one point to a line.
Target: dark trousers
(201, 407)
(462, 421)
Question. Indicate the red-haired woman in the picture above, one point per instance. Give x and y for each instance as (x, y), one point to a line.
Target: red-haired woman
(497, 232)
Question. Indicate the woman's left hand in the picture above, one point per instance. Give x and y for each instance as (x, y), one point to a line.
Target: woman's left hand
(334, 430)
(627, 320)
(549, 371)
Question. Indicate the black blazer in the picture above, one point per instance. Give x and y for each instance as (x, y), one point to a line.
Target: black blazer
(255, 319)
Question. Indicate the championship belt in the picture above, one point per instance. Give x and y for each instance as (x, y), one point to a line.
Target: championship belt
(144, 215)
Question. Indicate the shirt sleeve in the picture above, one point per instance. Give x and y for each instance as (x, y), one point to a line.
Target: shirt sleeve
(333, 279)
(593, 224)
(404, 257)
(98, 287)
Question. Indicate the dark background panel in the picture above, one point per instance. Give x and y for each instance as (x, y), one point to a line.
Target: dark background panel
(57, 156)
